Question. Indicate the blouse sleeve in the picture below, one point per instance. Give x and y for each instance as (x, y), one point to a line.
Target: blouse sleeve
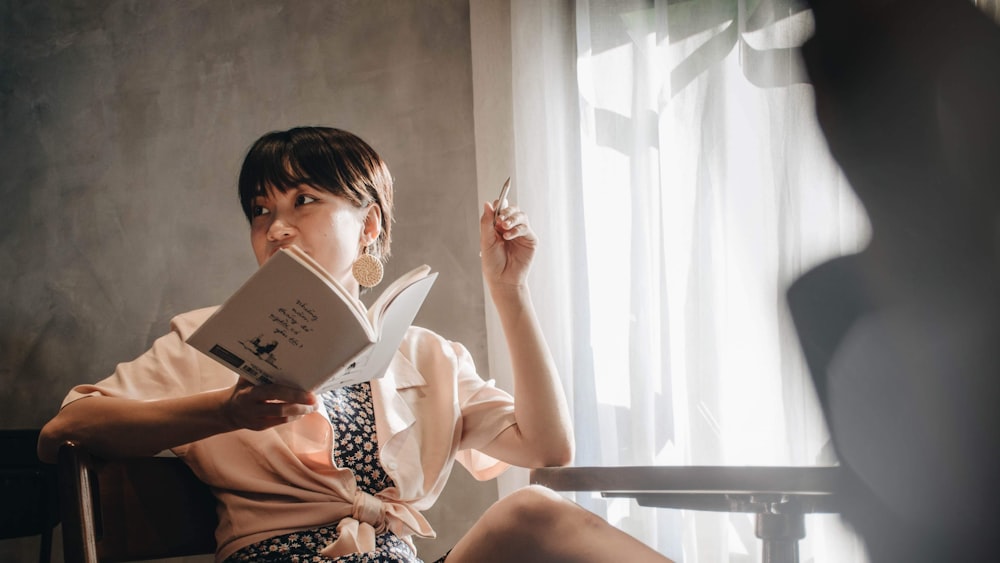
(486, 412)
(170, 368)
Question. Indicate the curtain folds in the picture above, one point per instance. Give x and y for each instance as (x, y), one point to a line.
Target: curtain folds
(668, 155)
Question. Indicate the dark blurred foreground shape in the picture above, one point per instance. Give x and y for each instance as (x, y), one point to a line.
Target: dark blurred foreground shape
(903, 339)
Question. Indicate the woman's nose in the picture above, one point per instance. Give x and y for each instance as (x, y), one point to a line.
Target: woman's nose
(280, 229)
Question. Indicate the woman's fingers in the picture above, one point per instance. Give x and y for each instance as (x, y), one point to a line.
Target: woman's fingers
(509, 219)
(277, 409)
(487, 222)
(281, 393)
(258, 407)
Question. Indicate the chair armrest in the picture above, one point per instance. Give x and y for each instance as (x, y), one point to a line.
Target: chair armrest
(77, 498)
(132, 509)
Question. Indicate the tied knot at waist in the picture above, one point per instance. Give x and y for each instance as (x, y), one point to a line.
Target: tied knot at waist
(370, 510)
(370, 517)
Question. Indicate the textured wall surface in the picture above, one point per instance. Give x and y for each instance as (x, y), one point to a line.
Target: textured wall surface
(123, 126)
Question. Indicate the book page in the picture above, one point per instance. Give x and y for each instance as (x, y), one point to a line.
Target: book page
(397, 318)
(377, 310)
(285, 325)
(308, 261)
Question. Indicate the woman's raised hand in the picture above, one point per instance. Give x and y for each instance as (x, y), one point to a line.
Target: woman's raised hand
(258, 407)
(506, 244)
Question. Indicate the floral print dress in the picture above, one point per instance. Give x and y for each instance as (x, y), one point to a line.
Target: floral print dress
(356, 448)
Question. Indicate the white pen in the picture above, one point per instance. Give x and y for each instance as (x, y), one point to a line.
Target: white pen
(503, 196)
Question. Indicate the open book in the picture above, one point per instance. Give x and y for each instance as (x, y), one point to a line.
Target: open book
(292, 323)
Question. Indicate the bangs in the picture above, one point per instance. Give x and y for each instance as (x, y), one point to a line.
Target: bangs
(280, 172)
(268, 165)
(284, 160)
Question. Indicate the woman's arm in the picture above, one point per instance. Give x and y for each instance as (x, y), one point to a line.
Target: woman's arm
(115, 427)
(543, 434)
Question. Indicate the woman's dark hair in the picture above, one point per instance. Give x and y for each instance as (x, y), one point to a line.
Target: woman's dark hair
(325, 158)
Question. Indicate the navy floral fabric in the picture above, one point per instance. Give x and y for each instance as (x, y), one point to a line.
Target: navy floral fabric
(353, 418)
(355, 448)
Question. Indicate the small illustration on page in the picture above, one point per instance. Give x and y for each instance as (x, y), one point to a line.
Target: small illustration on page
(261, 350)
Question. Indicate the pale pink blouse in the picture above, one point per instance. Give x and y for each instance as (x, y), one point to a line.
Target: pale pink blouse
(431, 408)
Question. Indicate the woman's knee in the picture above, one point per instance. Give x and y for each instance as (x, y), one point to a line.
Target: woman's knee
(532, 524)
(539, 510)
(535, 502)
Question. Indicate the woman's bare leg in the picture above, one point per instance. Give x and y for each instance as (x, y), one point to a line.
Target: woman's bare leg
(536, 524)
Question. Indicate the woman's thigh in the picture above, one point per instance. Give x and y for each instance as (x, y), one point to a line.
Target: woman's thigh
(536, 524)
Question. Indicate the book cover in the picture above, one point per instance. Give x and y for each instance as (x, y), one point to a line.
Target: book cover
(294, 324)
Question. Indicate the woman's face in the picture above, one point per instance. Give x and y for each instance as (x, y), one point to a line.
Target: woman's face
(329, 228)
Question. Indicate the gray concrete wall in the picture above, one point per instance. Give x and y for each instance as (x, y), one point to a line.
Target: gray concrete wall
(123, 125)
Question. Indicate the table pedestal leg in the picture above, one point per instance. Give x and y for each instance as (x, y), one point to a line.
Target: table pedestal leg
(780, 534)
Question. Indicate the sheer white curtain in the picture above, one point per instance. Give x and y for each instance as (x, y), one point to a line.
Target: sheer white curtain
(701, 149)
(668, 155)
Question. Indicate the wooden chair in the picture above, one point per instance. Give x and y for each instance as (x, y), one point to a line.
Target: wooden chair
(132, 509)
(28, 500)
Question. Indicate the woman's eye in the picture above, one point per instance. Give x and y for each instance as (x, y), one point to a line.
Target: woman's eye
(258, 210)
(303, 199)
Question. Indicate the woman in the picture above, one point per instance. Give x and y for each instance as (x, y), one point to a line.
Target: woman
(343, 477)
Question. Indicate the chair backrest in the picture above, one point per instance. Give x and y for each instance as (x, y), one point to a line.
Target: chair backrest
(132, 509)
(27, 490)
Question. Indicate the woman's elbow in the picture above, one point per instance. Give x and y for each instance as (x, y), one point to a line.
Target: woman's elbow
(566, 456)
(66, 426)
(558, 456)
(50, 439)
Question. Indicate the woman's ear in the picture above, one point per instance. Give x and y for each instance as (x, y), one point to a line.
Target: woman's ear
(373, 224)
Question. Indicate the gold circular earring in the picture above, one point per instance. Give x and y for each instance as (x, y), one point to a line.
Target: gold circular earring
(367, 269)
